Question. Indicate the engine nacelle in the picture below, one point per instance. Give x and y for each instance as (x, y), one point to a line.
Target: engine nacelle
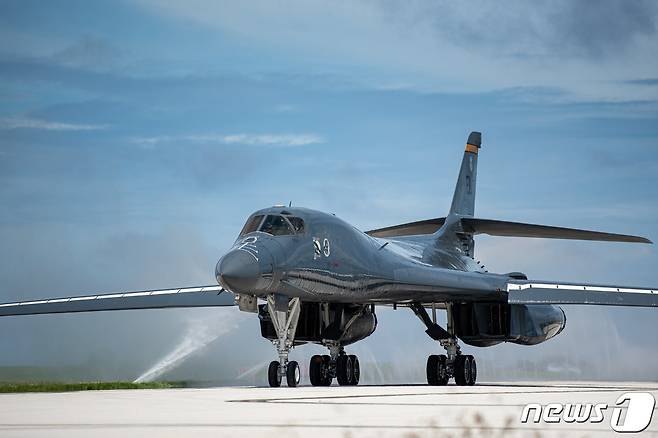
(533, 324)
(363, 326)
(345, 323)
(483, 325)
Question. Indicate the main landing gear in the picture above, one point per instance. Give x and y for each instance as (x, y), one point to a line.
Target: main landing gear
(345, 367)
(441, 367)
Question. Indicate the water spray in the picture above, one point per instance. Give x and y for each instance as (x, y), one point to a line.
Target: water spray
(199, 334)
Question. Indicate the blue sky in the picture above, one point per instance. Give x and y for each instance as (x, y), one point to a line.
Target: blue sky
(136, 137)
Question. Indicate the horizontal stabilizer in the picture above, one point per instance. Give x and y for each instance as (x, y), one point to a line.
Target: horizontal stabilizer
(540, 292)
(517, 229)
(205, 296)
(428, 226)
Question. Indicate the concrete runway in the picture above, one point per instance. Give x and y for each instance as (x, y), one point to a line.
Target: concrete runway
(370, 411)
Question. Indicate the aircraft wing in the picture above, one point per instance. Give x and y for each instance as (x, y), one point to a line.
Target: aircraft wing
(543, 292)
(518, 229)
(427, 226)
(203, 296)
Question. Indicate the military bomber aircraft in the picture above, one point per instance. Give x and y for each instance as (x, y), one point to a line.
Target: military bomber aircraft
(314, 278)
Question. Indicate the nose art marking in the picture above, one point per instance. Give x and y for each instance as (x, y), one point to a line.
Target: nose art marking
(248, 245)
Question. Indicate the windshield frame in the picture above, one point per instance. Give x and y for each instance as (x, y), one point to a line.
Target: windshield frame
(291, 229)
(294, 228)
(250, 219)
(286, 217)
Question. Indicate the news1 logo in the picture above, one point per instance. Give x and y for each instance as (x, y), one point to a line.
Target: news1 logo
(638, 412)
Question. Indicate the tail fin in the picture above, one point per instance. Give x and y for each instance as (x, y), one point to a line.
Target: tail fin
(463, 201)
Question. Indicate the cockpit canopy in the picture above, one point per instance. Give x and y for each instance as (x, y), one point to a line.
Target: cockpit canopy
(274, 224)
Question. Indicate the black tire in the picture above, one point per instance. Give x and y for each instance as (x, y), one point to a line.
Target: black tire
(273, 376)
(293, 374)
(343, 369)
(356, 370)
(437, 370)
(327, 376)
(315, 371)
(474, 371)
(442, 370)
(467, 369)
(431, 370)
(462, 370)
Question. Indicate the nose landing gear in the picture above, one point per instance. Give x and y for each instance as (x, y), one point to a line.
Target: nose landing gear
(291, 371)
(285, 315)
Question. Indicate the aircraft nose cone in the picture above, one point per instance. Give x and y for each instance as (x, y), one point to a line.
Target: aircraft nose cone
(239, 272)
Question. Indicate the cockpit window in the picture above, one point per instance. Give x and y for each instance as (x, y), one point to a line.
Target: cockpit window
(276, 225)
(251, 225)
(297, 224)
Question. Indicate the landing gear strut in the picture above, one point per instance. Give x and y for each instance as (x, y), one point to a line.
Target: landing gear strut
(440, 368)
(285, 314)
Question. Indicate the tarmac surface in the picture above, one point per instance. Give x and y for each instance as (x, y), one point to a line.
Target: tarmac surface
(488, 410)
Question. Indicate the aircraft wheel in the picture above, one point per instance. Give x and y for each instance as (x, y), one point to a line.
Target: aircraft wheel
(356, 370)
(431, 370)
(442, 370)
(315, 370)
(327, 376)
(273, 376)
(344, 369)
(293, 375)
(462, 370)
(474, 371)
(437, 370)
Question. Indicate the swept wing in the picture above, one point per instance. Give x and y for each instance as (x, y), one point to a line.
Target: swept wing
(546, 292)
(494, 227)
(202, 296)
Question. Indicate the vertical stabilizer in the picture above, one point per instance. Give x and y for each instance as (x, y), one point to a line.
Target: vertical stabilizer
(463, 201)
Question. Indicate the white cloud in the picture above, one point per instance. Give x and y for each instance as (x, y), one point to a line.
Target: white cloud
(448, 46)
(89, 53)
(26, 123)
(273, 139)
(286, 108)
(283, 140)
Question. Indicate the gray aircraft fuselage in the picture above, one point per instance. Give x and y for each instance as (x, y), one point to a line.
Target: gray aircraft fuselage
(332, 261)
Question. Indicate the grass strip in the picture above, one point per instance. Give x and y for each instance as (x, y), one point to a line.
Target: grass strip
(11, 387)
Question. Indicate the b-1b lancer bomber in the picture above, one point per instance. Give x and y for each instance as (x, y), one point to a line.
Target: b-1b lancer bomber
(311, 277)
